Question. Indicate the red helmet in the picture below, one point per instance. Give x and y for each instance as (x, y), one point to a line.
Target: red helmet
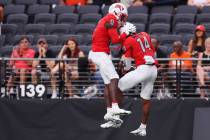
(201, 28)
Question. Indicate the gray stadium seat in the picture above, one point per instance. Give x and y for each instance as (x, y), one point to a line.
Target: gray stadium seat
(184, 9)
(184, 29)
(87, 40)
(14, 9)
(138, 9)
(187, 38)
(88, 9)
(85, 49)
(64, 38)
(168, 40)
(5, 2)
(160, 18)
(138, 18)
(207, 29)
(184, 18)
(105, 9)
(35, 29)
(140, 27)
(45, 18)
(18, 37)
(25, 2)
(90, 18)
(48, 2)
(68, 18)
(60, 9)
(2, 40)
(51, 39)
(9, 30)
(59, 29)
(203, 18)
(84, 29)
(6, 51)
(205, 9)
(162, 9)
(159, 28)
(19, 19)
(36, 9)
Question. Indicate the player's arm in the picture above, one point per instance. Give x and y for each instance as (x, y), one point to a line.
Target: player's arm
(115, 37)
(126, 58)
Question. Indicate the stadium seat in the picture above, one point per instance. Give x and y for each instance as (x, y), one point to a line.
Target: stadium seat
(87, 40)
(207, 29)
(58, 29)
(85, 49)
(83, 29)
(64, 38)
(138, 9)
(45, 18)
(9, 30)
(19, 19)
(60, 9)
(25, 2)
(184, 29)
(140, 27)
(187, 38)
(88, 9)
(160, 18)
(2, 40)
(91, 18)
(5, 2)
(203, 18)
(68, 18)
(138, 18)
(205, 9)
(186, 9)
(14, 9)
(18, 37)
(51, 39)
(184, 18)
(48, 2)
(105, 9)
(168, 40)
(162, 9)
(55, 49)
(6, 51)
(36, 9)
(35, 29)
(159, 28)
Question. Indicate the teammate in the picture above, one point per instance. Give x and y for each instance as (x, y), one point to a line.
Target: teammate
(139, 47)
(105, 32)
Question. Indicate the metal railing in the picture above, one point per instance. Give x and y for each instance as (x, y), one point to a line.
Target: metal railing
(177, 82)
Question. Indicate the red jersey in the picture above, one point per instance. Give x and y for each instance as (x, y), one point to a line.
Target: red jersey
(137, 46)
(106, 32)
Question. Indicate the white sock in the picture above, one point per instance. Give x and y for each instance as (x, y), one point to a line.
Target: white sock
(143, 126)
(115, 105)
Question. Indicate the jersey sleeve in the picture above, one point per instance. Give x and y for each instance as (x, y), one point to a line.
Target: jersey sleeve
(115, 37)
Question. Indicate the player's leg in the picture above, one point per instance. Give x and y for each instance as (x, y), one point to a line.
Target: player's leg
(111, 73)
(113, 121)
(146, 92)
(108, 72)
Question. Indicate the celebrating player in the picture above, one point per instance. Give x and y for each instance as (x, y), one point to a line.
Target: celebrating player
(105, 32)
(139, 47)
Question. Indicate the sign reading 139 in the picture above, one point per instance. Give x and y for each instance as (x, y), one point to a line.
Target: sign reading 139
(32, 91)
